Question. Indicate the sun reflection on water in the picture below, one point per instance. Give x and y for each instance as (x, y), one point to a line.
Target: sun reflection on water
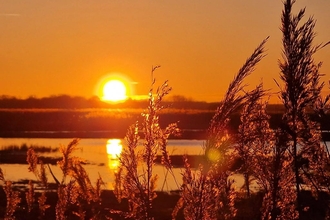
(114, 148)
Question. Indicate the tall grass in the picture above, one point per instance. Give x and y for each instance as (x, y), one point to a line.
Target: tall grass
(136, 180)
(285, 161)
(254, 137)
(301, 91)
(12, 197)
(208, 193)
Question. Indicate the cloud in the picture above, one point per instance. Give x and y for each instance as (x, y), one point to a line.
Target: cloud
(139, 97)
(9, 15)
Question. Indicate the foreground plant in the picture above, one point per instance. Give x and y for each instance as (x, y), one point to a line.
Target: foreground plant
(301, 96)
(78, 190)
(253, 139)
(12, 197)
(75, 192)
(208, 193)
(136, 181)
(40, 173)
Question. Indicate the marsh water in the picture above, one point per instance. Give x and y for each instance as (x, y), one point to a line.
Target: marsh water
(100, 156)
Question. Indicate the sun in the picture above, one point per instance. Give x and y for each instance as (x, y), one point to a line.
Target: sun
(114, 91)
(114, 88)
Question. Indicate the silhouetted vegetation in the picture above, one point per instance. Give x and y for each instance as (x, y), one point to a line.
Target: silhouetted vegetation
(288, 162)
(65, 102)
(69, 102)
(105, 123)
(14, 154)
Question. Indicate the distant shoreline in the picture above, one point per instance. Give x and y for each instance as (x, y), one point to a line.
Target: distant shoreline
(197, 134)
(188, 134)
(103, 123)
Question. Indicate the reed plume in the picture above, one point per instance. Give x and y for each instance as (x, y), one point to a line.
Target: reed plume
(136, 176)
(208, 192)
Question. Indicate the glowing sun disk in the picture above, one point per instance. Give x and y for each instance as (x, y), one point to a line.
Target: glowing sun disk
(114, 90)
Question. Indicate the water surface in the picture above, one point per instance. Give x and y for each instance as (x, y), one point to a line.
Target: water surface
(100, 158)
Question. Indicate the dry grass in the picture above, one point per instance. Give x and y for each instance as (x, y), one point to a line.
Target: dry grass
(272, 157)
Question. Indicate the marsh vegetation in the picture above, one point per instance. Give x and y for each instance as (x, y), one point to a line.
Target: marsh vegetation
(288, 162)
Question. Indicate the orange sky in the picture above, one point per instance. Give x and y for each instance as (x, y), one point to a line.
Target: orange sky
(66, 47)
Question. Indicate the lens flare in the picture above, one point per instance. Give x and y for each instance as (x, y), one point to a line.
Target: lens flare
(213, 154)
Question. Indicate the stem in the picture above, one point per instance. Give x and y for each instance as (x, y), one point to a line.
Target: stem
(296, 172)
(275, 186)
(247, 183)
(201, 207)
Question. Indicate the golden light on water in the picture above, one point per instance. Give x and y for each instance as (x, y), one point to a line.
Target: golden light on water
(114, 149)
(113, 164)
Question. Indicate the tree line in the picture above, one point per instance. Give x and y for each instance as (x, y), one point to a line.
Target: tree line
(78, 102)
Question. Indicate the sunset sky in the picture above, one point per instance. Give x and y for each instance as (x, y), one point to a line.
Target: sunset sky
(66, 47)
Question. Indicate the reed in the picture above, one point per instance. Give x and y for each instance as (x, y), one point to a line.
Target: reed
(301, 92)
(12, 197)
(208, 192)
(286, 161)
(136, 179)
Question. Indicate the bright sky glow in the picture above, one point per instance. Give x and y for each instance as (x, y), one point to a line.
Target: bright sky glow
(66, 47)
